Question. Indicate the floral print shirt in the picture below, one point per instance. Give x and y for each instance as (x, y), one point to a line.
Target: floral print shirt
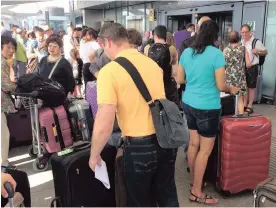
(7, 105)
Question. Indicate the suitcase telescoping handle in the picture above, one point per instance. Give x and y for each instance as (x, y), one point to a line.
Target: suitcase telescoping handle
(236, 107)
(10, 190)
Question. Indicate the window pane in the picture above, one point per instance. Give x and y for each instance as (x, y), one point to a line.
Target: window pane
(148, 6)
(269, 73)
(136, 17)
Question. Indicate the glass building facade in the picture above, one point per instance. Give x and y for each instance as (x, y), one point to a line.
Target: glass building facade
(134, 16)
(269, 68)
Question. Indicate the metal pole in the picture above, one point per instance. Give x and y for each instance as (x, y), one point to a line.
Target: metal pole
(37, 128)
(47, 18)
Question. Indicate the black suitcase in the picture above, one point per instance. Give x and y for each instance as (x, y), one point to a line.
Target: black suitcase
(75, 183)
(81, 119)
(23, 191)
(227, 104)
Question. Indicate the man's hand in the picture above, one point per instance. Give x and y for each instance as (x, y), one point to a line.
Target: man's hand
(254, 51)
(6, 178)
(95, 160)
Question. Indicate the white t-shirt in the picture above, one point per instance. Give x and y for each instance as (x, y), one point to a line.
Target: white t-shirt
(259, 46)
(67, 46)
(86, 49)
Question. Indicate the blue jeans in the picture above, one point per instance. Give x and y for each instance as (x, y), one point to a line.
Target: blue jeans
(149, 173)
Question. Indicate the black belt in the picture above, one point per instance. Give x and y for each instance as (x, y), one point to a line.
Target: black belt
(151, 139)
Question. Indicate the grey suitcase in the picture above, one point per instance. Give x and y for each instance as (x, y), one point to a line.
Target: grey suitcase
(265, 194)
(81, 119)
(258, 91)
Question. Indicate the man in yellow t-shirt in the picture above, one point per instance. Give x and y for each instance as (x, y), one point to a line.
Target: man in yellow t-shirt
(148, 168)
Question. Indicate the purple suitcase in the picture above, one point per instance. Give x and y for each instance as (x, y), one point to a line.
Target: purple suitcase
(91, 96)
(55, 129)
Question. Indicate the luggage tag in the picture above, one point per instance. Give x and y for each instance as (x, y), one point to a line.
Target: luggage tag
(66, 151)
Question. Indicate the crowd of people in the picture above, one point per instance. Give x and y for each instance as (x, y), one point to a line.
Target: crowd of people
(189, 60)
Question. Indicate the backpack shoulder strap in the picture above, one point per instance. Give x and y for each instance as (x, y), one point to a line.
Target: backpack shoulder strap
(254, 43)
(136, 77)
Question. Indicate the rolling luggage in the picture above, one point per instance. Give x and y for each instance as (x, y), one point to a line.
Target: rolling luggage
(258, 91)
(227, 104)
(265, 194)
(55, 129)
(75, 183)
(19, 125)
(21, 196)
(241, 154)
(79, 113)
(91, 97)
(120, 190)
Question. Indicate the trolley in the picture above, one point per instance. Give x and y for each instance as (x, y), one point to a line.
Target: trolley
(36, 150)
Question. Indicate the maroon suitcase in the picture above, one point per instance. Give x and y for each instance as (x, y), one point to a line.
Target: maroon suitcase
(19, 125)
(55, 129)
(244, 152)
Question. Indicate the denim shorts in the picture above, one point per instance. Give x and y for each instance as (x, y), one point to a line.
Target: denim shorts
(206, 122)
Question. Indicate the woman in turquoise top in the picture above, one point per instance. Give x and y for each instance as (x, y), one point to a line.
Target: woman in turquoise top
(202, 67)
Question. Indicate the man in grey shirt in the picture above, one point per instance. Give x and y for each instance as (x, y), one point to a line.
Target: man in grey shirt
(99, 62)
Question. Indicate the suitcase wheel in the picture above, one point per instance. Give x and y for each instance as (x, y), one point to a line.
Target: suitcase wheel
(224, 194)
(31, 152)
(40, 164)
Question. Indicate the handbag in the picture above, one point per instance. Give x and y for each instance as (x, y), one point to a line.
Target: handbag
(171, 128)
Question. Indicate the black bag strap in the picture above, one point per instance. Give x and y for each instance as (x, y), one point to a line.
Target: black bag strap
(81, 145)
(254, 43)
(59, 133)
(136, 77)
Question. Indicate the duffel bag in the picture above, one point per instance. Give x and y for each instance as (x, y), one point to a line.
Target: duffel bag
(50, 92)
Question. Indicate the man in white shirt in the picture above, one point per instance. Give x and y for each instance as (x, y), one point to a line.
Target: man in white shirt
(88, 46)
(252, 72)
(67, 43)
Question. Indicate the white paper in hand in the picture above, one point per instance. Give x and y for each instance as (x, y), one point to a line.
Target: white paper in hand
(102, 175)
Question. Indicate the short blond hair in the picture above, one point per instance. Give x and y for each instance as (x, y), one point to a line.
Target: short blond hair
(75, 52)
(170, 40)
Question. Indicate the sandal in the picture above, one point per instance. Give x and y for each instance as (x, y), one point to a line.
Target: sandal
(249, 110)
(204, 184)
(202, 200)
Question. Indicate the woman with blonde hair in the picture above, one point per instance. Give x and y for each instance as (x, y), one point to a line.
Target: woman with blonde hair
(77, 65)
(170, 40)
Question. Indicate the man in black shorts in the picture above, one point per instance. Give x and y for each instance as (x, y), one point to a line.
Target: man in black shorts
(252, 72)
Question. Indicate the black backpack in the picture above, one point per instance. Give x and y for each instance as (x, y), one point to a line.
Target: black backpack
(160, 53)
(261, 58)
(50, 92)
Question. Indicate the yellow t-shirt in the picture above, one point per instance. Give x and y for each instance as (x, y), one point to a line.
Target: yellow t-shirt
(173, 52)
(115, 86)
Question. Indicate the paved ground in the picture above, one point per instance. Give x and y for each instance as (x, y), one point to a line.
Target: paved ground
(43, 191)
